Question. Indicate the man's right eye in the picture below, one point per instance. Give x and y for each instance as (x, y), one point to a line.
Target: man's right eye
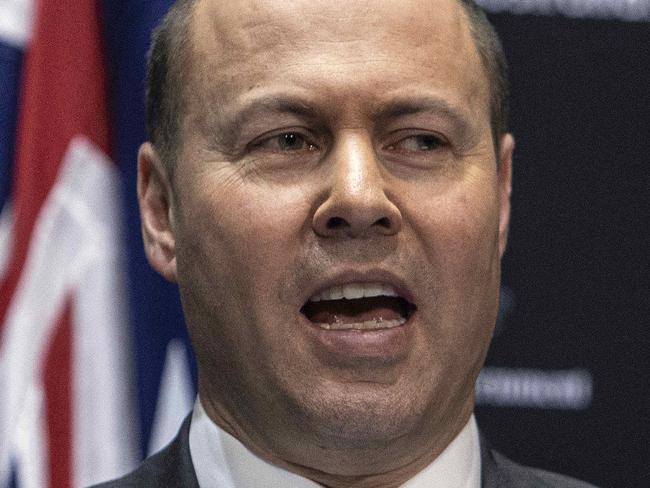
(291, 141)
(286, 141)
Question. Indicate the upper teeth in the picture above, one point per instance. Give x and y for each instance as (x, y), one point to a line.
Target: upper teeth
(355, 290)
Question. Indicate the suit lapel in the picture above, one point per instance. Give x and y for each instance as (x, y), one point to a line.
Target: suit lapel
(183, 474)
(492, 474)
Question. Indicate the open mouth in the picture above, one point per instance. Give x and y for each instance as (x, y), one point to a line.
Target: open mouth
(358, 306)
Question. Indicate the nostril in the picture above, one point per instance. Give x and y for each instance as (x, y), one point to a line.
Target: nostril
(336, 223)
(384, 222)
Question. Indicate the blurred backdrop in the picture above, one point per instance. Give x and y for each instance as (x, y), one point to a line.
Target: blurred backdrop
(95, 370)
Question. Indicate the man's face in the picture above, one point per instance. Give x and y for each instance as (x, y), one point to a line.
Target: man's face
(337, 149)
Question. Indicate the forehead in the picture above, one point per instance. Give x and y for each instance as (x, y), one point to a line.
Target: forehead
(363, 50)
(250, 24)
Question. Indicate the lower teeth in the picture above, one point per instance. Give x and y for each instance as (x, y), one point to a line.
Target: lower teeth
(367, 325)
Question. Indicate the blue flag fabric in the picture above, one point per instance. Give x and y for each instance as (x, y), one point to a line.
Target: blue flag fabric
(10, 63)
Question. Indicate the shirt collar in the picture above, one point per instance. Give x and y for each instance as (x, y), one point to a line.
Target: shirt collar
(220, 460)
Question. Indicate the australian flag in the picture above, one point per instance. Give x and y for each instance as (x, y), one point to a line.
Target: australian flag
(95, 371)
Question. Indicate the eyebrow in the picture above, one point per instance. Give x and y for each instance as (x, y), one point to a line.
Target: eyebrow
(274, 104)
(233, 121)
(416, 105)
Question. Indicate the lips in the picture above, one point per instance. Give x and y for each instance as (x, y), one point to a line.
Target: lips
(358, 306)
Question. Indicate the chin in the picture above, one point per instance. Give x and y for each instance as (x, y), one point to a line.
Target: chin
(360, 416)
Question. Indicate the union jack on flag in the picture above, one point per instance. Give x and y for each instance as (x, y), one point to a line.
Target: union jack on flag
(94, 365)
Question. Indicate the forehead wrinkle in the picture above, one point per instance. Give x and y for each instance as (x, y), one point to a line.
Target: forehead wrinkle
(238, 32)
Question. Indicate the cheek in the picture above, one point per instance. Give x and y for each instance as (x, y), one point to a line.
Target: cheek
(261, 230)
(457, 232)
(241, 235)
(234, 245)
(458, 228)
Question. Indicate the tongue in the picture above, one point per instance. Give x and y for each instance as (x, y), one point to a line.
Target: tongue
(355, 311)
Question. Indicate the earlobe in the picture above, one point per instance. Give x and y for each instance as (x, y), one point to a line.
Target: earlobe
(154, 197)
(505, 188)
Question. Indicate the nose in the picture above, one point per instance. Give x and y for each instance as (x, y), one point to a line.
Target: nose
(356, 202)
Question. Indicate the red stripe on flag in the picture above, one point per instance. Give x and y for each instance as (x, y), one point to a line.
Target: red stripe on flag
(64, 94)
(57, 381)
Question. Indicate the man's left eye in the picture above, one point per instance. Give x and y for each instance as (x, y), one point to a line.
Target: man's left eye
(417, 143)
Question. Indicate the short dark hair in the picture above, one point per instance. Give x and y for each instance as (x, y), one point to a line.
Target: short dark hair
(167, 60)
(493, 57)
(169, 57)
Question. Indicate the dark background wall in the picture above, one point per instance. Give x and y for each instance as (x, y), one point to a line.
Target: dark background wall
(572, 392)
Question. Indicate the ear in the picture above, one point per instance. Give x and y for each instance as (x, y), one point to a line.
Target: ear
(505, 188)
(155, 197)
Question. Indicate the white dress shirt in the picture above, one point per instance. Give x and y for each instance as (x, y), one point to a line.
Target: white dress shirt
(222, 461)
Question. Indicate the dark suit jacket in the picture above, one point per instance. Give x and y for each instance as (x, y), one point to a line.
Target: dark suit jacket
(172, 468)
